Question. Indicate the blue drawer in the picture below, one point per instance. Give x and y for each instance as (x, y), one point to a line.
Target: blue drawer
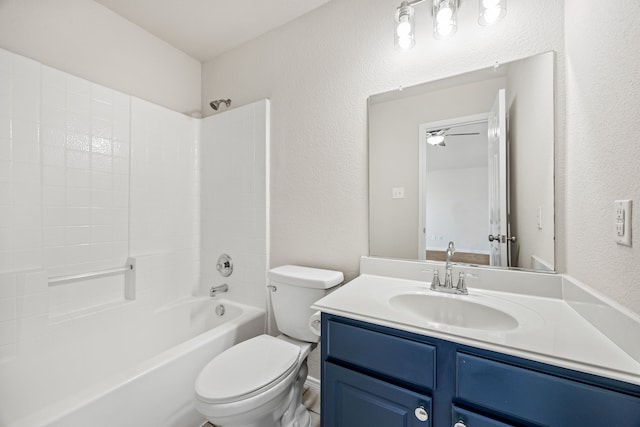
(387, 356)
(541, 398)
(471, 419)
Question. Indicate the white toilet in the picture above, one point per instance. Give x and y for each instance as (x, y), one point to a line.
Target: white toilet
(258, 383)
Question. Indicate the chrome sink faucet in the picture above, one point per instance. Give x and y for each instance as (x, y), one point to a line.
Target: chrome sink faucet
(447, 287)
(448, 281)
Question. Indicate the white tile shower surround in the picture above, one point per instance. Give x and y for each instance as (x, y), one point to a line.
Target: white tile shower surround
(20, 170)
(88, 177)
(235, 148)
(84, 142)
(69, 170)
(164, 219)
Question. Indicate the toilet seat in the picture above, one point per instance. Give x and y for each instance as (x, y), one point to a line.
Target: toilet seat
(246, 369)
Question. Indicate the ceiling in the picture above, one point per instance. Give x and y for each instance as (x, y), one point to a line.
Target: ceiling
(204, 29)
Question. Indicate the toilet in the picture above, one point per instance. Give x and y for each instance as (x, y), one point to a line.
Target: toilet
(259, 382)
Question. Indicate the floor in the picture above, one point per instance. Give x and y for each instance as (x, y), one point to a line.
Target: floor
(310, 399)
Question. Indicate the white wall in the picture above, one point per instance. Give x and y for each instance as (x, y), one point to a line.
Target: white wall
(529, 94)
(603, 144)
(318, 72)
(462, 219)
(84, 38)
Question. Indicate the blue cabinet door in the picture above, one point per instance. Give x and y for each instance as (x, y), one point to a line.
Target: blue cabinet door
(351, 399)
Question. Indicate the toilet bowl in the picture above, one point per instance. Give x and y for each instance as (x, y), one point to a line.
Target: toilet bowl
(259, 382)
(251, 383)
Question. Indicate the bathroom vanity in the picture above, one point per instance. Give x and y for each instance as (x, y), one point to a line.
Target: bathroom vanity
(387, 363)
(379, 376)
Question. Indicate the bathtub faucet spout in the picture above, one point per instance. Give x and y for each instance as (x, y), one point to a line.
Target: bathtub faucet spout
(215, 290)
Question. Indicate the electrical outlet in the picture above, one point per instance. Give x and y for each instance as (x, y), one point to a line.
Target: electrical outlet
(397, 193)
(622, 222)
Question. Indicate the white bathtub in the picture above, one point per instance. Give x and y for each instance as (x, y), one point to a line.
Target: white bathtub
(158, 392)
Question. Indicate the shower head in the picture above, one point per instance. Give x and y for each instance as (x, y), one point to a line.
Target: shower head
(216, 104)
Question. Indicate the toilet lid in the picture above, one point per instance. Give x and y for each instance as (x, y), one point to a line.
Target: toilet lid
(246, 368)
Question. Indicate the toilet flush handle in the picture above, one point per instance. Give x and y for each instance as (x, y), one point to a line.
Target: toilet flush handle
(272, 288)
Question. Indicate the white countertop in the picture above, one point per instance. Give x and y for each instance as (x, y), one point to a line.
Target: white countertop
(549, 330)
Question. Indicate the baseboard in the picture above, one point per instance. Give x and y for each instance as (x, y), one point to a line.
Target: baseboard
(313, 383)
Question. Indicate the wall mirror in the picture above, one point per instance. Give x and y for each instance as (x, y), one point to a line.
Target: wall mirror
(468, 159)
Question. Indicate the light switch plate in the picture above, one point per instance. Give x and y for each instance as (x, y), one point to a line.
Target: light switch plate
(622, 222)
(539, 217)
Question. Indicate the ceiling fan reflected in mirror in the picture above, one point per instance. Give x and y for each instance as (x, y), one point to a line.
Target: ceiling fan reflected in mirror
(437, 137)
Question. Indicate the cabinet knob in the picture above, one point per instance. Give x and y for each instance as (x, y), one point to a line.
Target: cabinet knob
(459, 424)
(421, 413)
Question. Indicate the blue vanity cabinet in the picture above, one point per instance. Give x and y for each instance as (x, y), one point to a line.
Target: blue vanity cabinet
(375, 376)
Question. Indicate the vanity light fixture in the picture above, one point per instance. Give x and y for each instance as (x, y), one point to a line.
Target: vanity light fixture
(445, 20)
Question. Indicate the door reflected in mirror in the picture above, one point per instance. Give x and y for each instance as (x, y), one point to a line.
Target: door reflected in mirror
(467, 159)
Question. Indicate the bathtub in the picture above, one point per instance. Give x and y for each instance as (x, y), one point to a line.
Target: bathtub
(158, 392)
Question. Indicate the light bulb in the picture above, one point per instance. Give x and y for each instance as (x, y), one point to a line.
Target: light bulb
(435, 139)
(404, 27)
(405, 42)
(444, 16)
(404, 37)
(491, 15)
(491, 11)
(445, 29)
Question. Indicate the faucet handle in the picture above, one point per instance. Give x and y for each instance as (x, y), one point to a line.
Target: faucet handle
(435, 282)
(461, 288)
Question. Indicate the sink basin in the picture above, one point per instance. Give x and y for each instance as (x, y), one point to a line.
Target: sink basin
(451, 310)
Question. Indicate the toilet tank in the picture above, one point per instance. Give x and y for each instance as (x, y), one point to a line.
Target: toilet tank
(293, 290)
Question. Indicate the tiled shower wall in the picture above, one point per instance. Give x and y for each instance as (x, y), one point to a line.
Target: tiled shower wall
(84, 142)
(20, 172)
(64, 153)
(89, 177)
(68, 170)
(235, 200)
(165, 202)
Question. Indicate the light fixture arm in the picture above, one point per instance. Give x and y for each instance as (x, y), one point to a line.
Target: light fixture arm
(414, 2)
